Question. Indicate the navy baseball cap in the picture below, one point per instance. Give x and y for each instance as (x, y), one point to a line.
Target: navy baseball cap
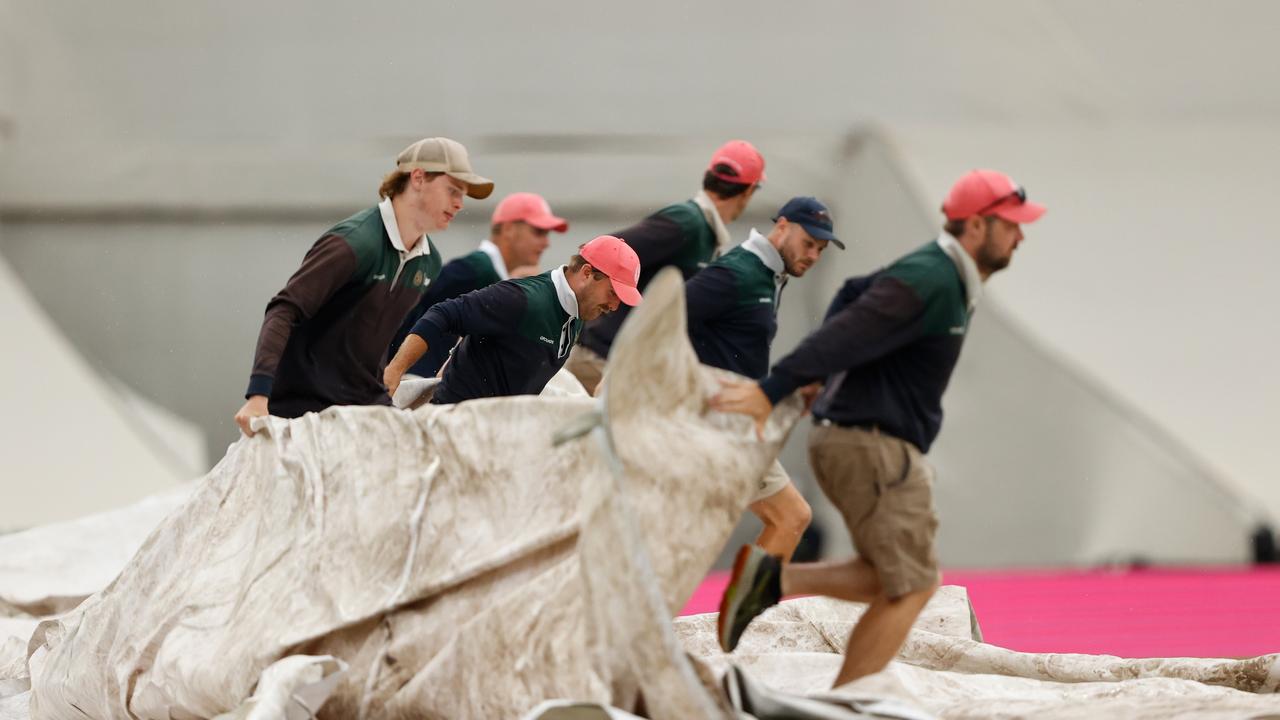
(812, 215)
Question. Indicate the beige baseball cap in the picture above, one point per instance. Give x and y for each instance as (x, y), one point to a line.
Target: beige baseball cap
(439, 154)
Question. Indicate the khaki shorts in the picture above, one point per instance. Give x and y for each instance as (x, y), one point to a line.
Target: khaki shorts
(774, 480)
(587, 366)
(883, 487)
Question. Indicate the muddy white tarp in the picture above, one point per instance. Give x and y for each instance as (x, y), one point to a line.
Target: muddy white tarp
(52, 568)
(943, 669)
(441, 562)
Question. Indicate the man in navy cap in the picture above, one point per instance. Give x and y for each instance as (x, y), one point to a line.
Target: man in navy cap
(733, 317)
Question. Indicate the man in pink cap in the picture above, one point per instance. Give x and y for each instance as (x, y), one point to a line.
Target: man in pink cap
(687, 235)
(518, 235)
(517, 334)
(884, 355)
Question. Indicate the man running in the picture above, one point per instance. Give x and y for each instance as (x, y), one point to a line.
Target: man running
(886, 351)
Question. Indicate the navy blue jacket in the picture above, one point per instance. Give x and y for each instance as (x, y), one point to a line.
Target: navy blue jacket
(733, 308)
(516, 335)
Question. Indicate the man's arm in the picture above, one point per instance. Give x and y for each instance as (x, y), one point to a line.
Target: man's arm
(409, 353)
(883, 318)
(456, 278)
(880, 320)
(494, 310)
(328, 265)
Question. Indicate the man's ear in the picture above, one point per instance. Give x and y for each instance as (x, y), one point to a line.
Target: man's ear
(977, 224)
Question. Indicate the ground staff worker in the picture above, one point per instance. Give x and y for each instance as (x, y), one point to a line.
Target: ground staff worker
(887, 349)
(518, 235)
(733, 317)
(517, 334)
(325, 334)
(687, 235)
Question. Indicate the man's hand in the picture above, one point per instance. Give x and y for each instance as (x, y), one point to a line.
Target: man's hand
(744, 398)
(391, 379)
(410, 352)
(809, 393)
(255, 406)
(523, 271)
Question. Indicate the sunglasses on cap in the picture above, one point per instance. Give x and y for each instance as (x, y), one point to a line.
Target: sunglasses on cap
(1019, 192)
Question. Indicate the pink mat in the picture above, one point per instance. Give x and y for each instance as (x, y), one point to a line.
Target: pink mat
(1162, 612)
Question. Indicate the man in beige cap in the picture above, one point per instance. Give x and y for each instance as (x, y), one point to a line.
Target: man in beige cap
(324, 339)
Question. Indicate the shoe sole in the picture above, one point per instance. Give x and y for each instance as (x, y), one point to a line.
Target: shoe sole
(745, 564)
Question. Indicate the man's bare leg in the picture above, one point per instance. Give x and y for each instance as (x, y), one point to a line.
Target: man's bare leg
(880, 633)
(785, 515)
(853, 580)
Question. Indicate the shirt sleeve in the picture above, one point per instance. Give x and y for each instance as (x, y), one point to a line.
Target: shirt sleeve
(710, 293)
(328, 265)
(882, 319)
(494, 310)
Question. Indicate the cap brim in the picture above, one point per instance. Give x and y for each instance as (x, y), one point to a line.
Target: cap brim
(626, 293)
(819, 233)
(549, 222)
(477, 187)
(1021, 213)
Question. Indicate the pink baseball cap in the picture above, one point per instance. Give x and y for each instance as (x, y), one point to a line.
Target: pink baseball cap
(988, 192)
(742, 156)
(530, 208)
(615, 258)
